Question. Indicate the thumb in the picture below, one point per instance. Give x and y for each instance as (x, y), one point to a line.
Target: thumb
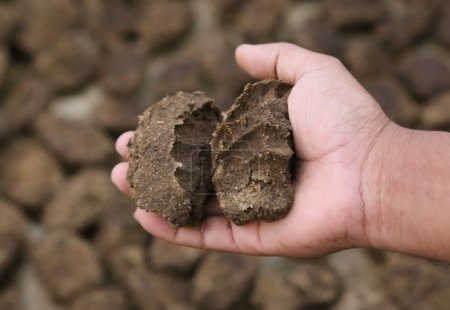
(283, 61)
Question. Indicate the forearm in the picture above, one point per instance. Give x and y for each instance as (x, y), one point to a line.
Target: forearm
(407, 192)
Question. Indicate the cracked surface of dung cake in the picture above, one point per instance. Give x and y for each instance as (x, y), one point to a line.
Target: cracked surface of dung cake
(252, 155)
(170, 160)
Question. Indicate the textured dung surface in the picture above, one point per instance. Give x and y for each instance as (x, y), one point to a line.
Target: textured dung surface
(251, 155)
(170, 157)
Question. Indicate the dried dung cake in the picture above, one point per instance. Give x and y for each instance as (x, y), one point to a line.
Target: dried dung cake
(66, 264)
(147, 289)
(267, 12)
(29, 173)
(296, 285)
(395, 101)
(164, 22)
(354, 14)
(17, 110)
(117, 228)
(10, 299)
(222, 280)
(4, 61)
(436, 114)
(425, 70)
(415, 283)
(165, 256)
(170, 157)
(252, 154)
(123, 68)
(69, 62)
(105, 298)
(118, 114)
(79, 202)
(45, 21)
(75, 143)
(182, 73)
(12, 233)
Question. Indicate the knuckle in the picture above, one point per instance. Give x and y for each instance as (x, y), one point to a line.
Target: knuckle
(331, 61)
(321, 62)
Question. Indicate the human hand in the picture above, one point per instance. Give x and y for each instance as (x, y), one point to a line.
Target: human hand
(336, 124)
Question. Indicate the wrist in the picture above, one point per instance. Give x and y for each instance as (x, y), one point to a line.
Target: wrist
(380, 170)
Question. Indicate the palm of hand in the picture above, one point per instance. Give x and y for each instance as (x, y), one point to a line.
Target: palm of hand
(334, 124)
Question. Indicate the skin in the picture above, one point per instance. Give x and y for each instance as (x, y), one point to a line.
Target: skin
(364, 181)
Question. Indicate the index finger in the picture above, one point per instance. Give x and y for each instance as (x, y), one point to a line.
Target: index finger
(122, 144)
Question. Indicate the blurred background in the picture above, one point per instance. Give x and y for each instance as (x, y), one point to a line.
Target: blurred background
(74, 74)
